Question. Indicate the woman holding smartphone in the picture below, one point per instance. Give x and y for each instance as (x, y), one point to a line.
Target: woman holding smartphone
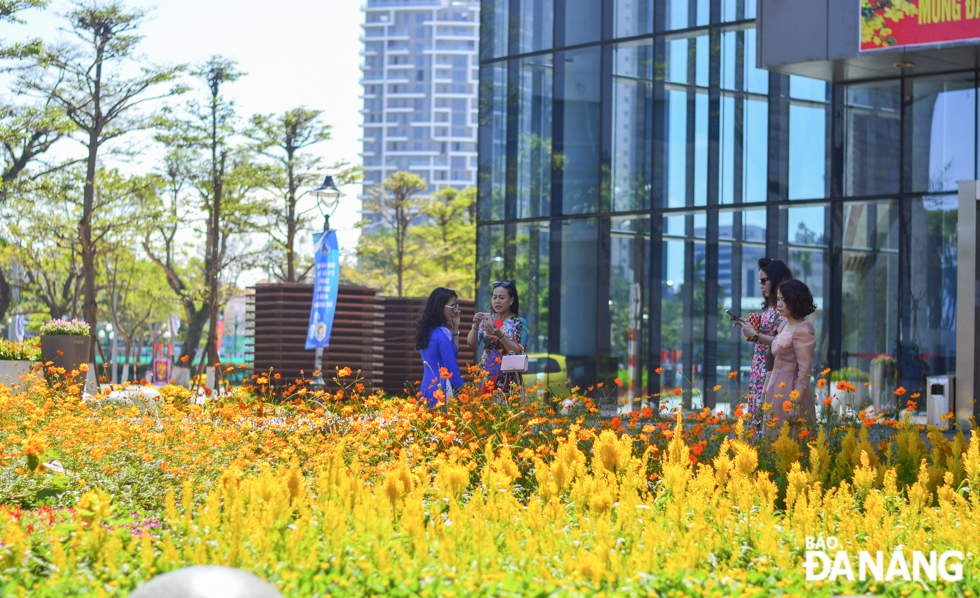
(772, 273)
(504, 332)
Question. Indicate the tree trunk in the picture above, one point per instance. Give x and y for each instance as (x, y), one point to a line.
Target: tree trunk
(5, 295)
(90, 309)
(196, 319)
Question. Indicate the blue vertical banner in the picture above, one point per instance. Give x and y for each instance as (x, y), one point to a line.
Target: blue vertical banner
(326, 278)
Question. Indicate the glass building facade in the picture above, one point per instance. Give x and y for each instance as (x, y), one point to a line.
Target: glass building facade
(634, 165)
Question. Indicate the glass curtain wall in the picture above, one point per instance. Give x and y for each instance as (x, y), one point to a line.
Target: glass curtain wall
(635, 166)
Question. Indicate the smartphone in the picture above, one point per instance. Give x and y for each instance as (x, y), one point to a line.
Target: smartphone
(733, 316)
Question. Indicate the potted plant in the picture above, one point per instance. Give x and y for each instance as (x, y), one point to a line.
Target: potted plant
(65, 343)
(16, 359)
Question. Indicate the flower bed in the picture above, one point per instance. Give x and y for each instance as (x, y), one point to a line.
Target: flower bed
(29, 350)
(362, 495)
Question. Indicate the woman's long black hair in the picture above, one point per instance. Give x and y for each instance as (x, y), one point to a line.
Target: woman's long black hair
(778, 273)
(433, 315)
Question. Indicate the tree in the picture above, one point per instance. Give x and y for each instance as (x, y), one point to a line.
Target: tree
(25, 132)
(137, 297)
(162, 246)
(451, 215)
(8, 13)
(398, 204)
(282, 139)
(48, 244)
(89, 81)
(223, 176)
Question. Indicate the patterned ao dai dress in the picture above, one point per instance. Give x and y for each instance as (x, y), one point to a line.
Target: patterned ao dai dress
(514, 328)
(769, 323)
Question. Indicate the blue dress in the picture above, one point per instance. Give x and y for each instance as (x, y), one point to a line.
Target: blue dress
(440, 353)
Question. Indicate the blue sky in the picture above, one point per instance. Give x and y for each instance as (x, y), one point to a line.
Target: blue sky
(295, 53)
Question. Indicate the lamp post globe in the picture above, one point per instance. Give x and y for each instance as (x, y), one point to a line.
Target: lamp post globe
(328, 198)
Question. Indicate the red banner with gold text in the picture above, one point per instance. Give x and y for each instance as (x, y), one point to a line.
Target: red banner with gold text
(898, 23)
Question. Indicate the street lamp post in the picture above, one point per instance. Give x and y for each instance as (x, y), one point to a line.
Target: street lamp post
(328, 198)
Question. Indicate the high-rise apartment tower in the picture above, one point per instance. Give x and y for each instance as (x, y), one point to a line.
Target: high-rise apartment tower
(420, 75)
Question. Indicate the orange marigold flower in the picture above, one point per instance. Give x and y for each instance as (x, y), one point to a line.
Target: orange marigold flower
(821, 383)
(716, 387)
(900, 391)
(344, 372)
(618, 382)
(914, 395)
(615, 422)
(678, 391)
(911, 405)
(444, 373)
(795, 394)
(659, 370)
(803, 434)
(732, 375)
(842, 385)
(83, 368)
(782, 385)
(828, 401)
(184, 358)
(787, 405)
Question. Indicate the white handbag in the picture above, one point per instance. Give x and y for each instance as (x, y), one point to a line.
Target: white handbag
(513, 363)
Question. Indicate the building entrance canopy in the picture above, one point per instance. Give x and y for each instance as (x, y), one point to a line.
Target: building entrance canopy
(824, 39)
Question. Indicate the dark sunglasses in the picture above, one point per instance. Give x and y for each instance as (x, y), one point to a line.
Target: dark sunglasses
(763, 279)
(502, 283)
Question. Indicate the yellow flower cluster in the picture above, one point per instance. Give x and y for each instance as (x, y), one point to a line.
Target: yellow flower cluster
(377, 496)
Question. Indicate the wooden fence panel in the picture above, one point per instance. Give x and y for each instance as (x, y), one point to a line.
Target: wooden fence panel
(371, 333)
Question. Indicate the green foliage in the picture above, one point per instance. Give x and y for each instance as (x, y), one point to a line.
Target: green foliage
(420, 243)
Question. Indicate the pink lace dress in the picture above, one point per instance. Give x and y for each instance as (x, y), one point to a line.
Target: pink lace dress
(793, 352)
(769, 324)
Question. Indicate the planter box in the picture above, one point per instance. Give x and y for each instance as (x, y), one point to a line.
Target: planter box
(65, 351)
(11, 371)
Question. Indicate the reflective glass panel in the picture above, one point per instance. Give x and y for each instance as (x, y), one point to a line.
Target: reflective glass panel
(872, 138)
(682, 321)
(632, 128)
(494, 23)
(577, 160)
(869, 285)
(493, 142)
(932, 300)
(534, 144)
(940, 111)
(623, 353)
(682, 14)
(537, 25)
(583, 21)
(738, 292)
(807, 149)
(632, 17)
(804, 247)
(577, 336)
(533, 241)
